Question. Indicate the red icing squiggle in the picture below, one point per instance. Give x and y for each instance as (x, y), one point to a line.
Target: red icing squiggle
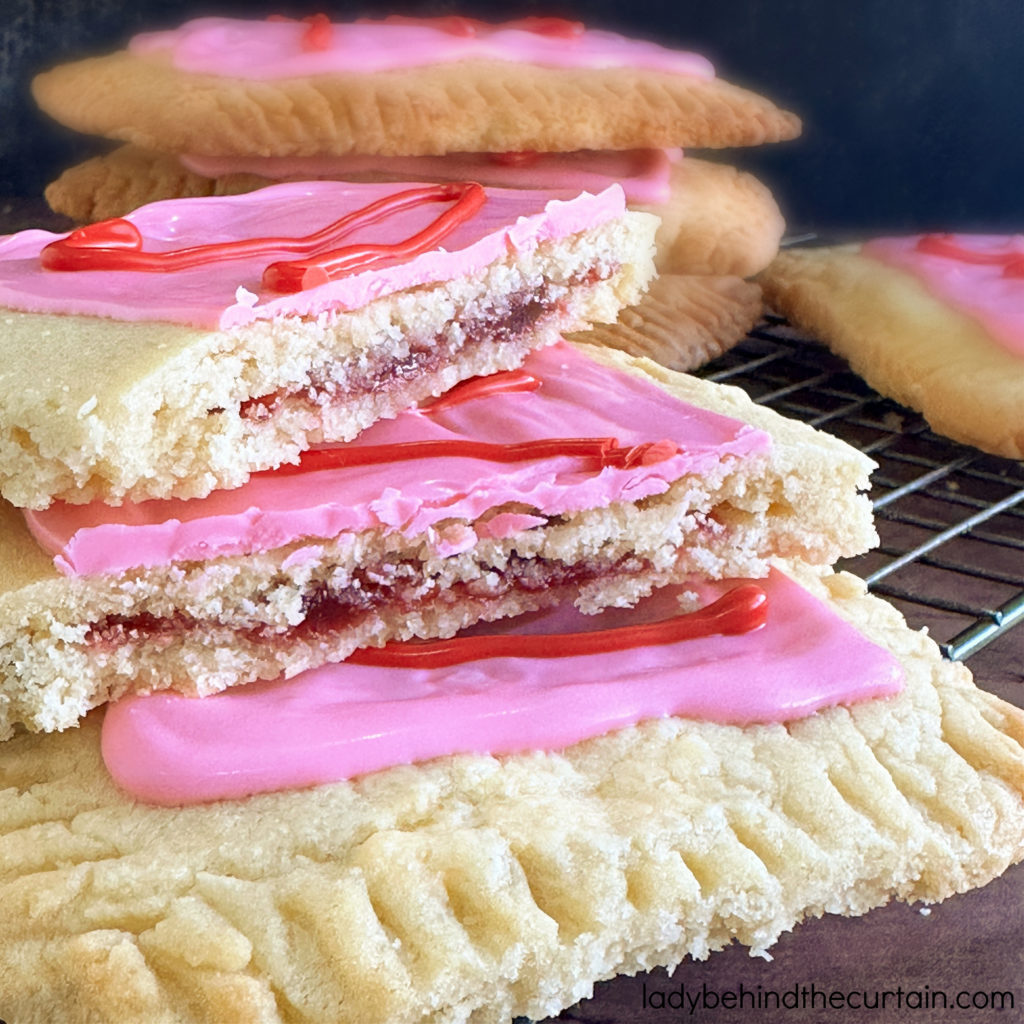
(606, 451)
(981, 276)
(470, 28)
(948, 246)
(345, 720)
(318, 34)
(503, 383)
(117, 244)
(739, 611)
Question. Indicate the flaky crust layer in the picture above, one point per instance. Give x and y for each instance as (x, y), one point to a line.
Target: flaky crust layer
(905, 343)
(485, 888)
(717, 220)
(684, 321)
(469, 106)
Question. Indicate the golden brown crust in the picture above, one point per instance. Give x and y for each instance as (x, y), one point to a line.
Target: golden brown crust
(905, 343)
(485, 888)
(470, 106)
(717, 219)
(128, 177)
(684, 321)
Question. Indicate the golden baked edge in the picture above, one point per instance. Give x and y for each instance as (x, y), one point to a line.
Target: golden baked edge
(905, 343)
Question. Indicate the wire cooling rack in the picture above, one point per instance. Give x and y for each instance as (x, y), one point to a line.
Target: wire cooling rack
(950, 518)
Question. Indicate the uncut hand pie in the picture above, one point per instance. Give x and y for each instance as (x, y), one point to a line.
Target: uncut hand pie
(935, 322)
(231, 87)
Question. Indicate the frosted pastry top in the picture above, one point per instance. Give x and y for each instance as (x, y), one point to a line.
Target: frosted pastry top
(644, 174)
(241, 48)
(230, 293)
(341, 721)
(576, 398)
(980, 275)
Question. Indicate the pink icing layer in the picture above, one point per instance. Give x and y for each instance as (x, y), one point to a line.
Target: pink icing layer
(341, 721)
(229, 293)
(240, 48)
(577, 398)
(642, 173)
(980, 290)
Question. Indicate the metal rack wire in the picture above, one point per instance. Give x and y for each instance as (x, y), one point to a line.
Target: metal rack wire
(950, 518)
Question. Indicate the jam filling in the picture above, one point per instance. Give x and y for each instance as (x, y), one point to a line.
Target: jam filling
(379, 374)
(329, 611)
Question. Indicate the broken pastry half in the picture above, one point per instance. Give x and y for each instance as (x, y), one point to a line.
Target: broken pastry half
(193, 342)
(493, 886)
(935, 322)
(586, 478)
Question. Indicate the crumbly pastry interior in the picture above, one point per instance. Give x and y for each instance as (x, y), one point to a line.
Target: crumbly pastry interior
(479, 888)
(97, 409)
(68, 644)
(905, 342)
(445, 108)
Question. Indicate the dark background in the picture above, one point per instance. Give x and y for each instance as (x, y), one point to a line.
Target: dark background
(912, 108)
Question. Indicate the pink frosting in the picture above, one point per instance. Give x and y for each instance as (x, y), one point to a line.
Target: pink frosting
(241, 48)
(229, 293)
(577, 398)
(980, 290)
(342, 721)
(642, 173)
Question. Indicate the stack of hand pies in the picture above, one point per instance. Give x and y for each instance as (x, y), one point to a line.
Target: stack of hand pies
(368, 650)
(220, 107)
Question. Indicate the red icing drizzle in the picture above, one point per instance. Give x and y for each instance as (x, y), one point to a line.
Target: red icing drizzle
(741, 610)
(318, 33)
(947, 246)
(503, 383)
(458, 25)
(117, 244)
(605, 451)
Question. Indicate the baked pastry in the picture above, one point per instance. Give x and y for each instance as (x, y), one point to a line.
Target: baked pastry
(495, 886)
(935, 322)
(126, 384)
(715, 219)
(587, 478)
(402, 86)
(684, 321)
(534, 103)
